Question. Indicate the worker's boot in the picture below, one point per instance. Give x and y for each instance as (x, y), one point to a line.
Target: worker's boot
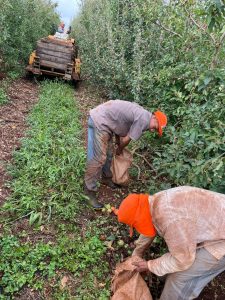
(92, 199)
(108, 181)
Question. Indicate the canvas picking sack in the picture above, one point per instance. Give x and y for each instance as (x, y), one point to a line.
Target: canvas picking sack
(119, 167)
(128, 284)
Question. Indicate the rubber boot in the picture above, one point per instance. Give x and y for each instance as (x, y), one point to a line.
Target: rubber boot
(92, 199)
(108, 181)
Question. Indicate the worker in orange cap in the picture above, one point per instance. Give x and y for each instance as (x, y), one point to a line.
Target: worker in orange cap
(192, 222)
(127, 121)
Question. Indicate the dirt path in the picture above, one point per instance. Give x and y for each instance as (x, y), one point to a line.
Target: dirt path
(22, 94)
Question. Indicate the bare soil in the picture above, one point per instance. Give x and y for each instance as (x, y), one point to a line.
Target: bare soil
(23, 95)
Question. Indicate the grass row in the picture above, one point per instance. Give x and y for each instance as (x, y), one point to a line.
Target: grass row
(46, 200)
(3, 94)
(48, 170)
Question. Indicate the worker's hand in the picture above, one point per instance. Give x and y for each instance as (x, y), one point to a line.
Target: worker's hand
(141, 266)
(124, 141)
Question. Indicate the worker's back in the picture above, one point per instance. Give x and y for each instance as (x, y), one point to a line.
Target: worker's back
(117, 116)
(202, 210)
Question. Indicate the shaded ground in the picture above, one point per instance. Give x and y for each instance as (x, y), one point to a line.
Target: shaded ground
(23, 94)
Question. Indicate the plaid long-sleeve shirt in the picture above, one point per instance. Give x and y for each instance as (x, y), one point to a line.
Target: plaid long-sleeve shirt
(187, 218)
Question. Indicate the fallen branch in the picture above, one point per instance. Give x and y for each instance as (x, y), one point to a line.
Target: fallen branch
(9, 121)
(139, 170)
(145, 159)
(22, 217)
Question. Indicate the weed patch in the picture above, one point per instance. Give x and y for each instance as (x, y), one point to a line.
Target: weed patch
(48, 170)
(3, 97)
(34, 265)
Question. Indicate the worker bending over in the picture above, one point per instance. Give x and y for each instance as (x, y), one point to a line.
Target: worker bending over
(127, 121)
(192, 222)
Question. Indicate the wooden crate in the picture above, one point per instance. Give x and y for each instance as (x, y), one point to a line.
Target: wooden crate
(55, 53)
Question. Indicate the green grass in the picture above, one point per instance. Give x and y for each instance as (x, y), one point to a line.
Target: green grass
(34, 264)
(3, 96)
(48, 173)
(47, 186)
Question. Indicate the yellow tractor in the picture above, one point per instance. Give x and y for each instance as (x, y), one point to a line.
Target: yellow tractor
(56, 56)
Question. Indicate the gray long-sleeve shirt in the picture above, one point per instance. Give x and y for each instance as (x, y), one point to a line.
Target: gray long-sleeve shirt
(122, 118)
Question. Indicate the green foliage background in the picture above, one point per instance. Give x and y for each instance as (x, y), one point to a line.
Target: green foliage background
(170, 57)
(22, 23)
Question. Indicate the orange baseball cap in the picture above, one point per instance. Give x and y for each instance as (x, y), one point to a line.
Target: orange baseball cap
(135, 212)
(162, 121)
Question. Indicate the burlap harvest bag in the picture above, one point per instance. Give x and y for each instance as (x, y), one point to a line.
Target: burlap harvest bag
(119, 167)
(127, 284)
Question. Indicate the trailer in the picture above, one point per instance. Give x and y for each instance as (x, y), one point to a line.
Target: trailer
(55, 56)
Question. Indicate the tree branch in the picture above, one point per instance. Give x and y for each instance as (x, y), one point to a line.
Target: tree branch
(217, 51)
(199, 26)
(139, 170)
(158, 23)
(222, 38)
